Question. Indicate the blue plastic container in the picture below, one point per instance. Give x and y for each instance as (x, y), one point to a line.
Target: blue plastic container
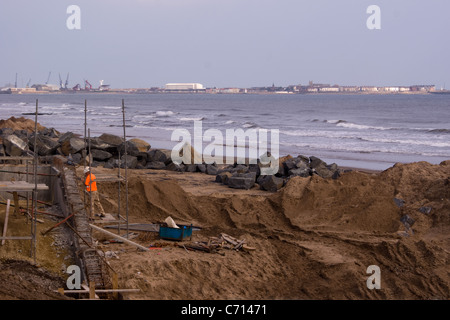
(175, 234)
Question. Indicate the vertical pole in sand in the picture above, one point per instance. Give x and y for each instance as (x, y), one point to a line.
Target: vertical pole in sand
(90, 175)
(126, 164)
(33, 225)
(118, 201)
(84, 151)
(27, 178)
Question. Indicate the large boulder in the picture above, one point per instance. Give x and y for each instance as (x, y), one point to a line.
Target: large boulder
(44, 144)
(111, 139)
(128, 160)
(100, 155)
(14, 146)
(131, 147)
(155, 165)
(143, 146)
(66, 136)
(160, 155)
(223, 177)
(212, 169)
(316, 162)
(270, 183)
(99, 144)
(238, 182)
(72, 145)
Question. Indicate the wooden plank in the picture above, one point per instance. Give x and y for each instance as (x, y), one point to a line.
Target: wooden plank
(16, 238)
(20, 186)
(5, 225)
(119, 237)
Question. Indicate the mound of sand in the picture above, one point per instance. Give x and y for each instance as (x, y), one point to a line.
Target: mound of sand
(20, 124)
(314, 239)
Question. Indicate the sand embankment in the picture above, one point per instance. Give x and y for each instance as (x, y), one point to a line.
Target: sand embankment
(314, 239)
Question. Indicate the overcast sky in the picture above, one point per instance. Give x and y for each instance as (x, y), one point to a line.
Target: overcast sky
(226, 43)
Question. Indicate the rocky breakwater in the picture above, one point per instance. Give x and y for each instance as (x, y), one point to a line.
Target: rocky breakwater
(111, 151)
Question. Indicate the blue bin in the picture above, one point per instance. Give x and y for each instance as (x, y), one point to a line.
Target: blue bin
(175, 234)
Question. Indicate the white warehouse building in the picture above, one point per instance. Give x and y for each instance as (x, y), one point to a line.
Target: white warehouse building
(184, 86)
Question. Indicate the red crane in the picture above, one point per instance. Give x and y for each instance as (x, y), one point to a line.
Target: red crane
(87, 85)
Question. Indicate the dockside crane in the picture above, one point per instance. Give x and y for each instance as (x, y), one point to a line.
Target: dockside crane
(48, 78)
(67, 81)
(28, 83)
(15, 83)
(60, 81)
(87, 85)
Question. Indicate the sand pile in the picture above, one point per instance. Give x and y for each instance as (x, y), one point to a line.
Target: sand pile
(20, 124)
(314, 239)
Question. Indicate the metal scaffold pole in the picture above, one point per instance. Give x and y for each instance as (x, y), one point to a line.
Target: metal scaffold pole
(85, 152)
(33, 224)
(126, 165)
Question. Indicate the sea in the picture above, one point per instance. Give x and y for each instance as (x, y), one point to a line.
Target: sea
(361, 131)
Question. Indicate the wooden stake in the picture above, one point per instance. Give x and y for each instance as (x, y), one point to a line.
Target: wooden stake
(115, 282)
(5, 226)
(16, 202)
(92, 290)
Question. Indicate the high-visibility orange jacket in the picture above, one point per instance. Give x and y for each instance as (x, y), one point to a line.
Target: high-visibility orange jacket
(90, 186)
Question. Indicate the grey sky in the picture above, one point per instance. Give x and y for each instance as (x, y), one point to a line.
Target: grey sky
(242, 43)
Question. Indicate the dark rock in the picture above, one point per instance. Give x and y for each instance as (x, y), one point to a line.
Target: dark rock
(399, 202)
(160, 155)
(336, 175)
(223, 177)
(240, 168)
(131, 161)
(407, 221)
(241, 182)
(100, 155)
(97, 143)
(6, 131)
(14, 146)
(2, 151)
(211, 169)
(175, 167)
(270, 183)
(44, 144)
(191, 168)
(254, 168)
(156, 165)
(323, 171)
(111, 139)
(76, 158)
(201, 168)
(72, 145)
(132, 149)
(425, 210)
(66, 136)
(316, 162)
(300, 172)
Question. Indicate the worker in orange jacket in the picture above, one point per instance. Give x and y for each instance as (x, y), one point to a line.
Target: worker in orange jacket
(91, 189)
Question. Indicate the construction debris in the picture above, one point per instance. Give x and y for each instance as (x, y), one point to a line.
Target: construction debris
(215, 244)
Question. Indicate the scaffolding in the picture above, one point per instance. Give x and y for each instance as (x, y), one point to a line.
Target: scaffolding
(24, 186)
(86, 154)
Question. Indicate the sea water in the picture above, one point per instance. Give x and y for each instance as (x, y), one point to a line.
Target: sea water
(362, 131)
